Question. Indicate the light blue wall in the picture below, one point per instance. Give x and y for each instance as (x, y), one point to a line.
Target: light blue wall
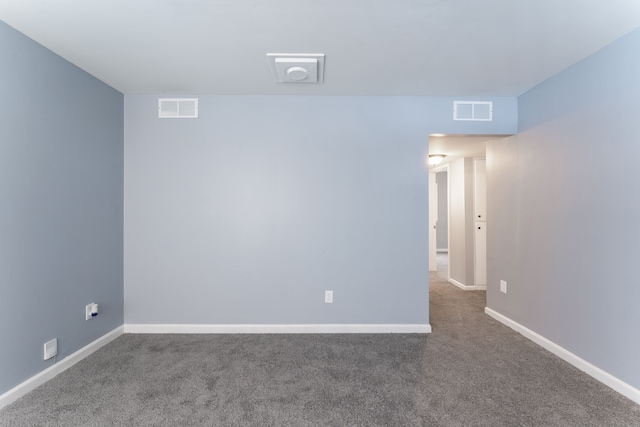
(61, 168)
(247, 214)
(563, 207)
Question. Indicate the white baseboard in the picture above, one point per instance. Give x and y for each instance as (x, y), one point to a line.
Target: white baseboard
(467, 288)
(130, 328)
(42, 377)
(442, 251)
(564, 354)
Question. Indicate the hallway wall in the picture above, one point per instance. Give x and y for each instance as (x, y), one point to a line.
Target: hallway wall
(563, 211)
(461, 237)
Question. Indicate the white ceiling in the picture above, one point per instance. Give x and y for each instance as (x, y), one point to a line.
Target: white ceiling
(372, 47)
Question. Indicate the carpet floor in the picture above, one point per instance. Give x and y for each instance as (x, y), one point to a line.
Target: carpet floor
(471, 371)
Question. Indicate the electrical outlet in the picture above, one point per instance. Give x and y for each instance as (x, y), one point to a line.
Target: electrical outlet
(503, 286)
(328, 297)
(91, 310)
(50, 349)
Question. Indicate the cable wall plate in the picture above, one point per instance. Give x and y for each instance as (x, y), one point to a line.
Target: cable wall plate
(50, 349)
(178, 108)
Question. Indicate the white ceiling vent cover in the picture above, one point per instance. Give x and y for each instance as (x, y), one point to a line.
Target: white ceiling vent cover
(178, 108)
(473, 111)
(297, 67)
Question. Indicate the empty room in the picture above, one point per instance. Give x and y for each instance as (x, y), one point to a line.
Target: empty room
(222, 213)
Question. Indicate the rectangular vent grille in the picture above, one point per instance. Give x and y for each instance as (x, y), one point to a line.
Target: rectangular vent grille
(178, 108)
(473, 111)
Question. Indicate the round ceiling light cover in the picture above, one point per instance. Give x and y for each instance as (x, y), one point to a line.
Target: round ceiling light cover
(297, 73)
(436, 159)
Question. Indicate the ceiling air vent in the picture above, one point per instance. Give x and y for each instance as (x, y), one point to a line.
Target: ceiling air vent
(297, 67)
(473, 111)
(178, 108)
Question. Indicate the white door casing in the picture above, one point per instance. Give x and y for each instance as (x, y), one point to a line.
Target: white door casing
(433, 221)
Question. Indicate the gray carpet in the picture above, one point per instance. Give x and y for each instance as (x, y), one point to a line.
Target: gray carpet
(471, 371)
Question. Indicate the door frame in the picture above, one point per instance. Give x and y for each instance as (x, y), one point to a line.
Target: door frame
(434, 171)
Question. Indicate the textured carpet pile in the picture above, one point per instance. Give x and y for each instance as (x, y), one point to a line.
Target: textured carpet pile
(471, 371)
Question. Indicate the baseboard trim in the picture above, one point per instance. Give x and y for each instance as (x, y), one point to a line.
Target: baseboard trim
(467, 288)
(42, 377)
(564, 354)
(132, 328)
(442, 251)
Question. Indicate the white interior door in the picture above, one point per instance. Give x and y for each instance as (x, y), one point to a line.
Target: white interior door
(433, 221)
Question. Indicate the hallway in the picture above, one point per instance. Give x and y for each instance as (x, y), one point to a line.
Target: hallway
(497, 377)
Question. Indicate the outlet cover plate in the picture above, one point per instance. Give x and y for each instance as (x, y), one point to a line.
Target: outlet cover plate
(328, 297)
(50, 349)
(503, 286)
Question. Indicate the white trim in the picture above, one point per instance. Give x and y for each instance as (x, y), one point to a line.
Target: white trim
(467, 288)
(564, 354)
(42, 377)
(442, 251)
(132, 328)
(476, 288)
(448, 220)
(456, 283)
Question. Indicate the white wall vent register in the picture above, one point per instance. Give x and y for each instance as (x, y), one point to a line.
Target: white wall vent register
(473, 110)
(178, 108)
(297, 67)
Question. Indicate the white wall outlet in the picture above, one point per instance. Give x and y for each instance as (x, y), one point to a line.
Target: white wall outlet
(328, 297)
(50, 349)
(91, 310)
(503, 286)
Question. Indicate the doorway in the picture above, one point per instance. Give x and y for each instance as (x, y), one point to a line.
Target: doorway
(459, 234)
